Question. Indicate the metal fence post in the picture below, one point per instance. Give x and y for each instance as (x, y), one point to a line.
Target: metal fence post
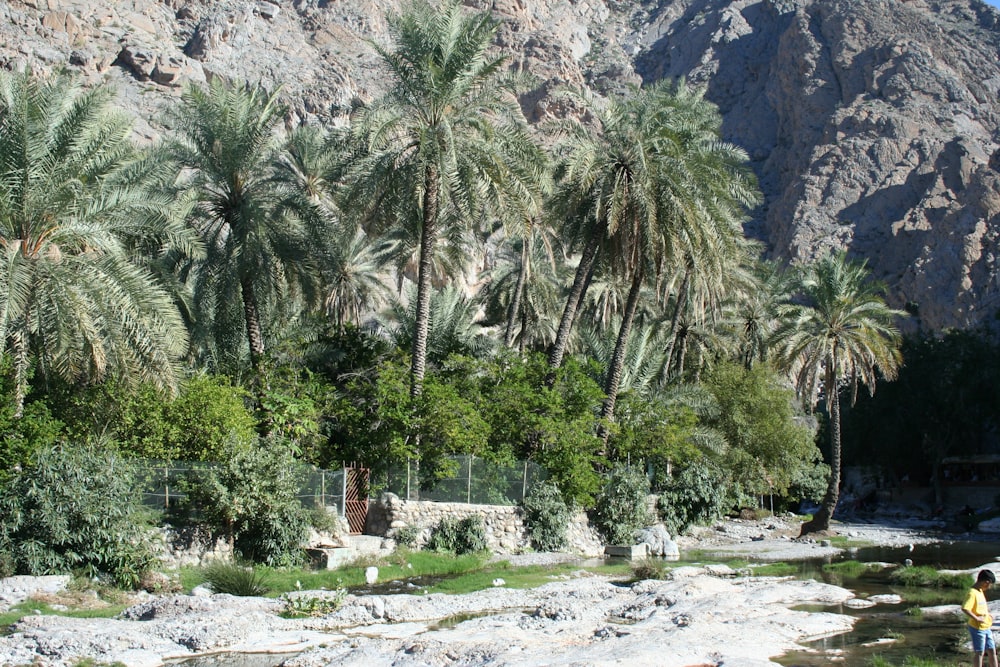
(524, 482)
(468, 485)
(343, 492)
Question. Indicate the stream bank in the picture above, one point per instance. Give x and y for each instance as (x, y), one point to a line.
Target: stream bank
(702, 615)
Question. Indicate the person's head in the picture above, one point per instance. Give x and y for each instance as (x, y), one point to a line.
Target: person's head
(985, 579)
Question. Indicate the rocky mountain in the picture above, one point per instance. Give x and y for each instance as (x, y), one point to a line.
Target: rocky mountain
(873, 125)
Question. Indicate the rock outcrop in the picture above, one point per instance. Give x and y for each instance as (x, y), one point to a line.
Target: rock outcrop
(873, 125)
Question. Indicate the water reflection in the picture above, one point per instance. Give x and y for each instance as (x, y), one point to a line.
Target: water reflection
(899, 632)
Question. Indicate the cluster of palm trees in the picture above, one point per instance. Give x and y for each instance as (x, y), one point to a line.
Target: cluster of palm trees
(621, 240)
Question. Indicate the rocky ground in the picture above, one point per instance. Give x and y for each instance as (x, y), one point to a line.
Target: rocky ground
(581, 620)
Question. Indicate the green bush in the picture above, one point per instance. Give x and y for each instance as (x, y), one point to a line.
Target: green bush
(621, 506)
(74, 509)
(407, 536)
(252, 501)
(695, 494)
(463, 536)
(235, 579)
(546, 516)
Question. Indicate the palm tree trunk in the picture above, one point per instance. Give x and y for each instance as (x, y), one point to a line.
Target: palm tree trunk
(681, 298)
(821, 521)
(576, 293)
(428, 239)
(513, 313)
(251, 313)
(617, 363)
(20, 370)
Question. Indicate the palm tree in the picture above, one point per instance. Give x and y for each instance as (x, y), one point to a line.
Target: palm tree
(352, 267)
(75, 219)
(523, 289)
(456, 330)
(662, 189)
(445, 142)
(843, 331)
(259, 230)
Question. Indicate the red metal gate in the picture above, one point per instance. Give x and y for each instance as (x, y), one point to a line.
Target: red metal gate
(356, 497)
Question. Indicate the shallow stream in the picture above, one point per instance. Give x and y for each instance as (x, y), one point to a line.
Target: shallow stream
(895, 632)
(886, 630)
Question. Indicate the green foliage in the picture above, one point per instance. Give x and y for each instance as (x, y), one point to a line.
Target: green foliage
(696, 493)
(546, 517)
(621, 507)
(77, 215)
(654, 430)
(21, 437)
(236, 579)
(204, 421)
(923, 576)
(312, 606)
(497, 409)
(293, 405)
(459, 536)
(74, 509)
(651, 568)
(251, 499)
(757, 416)
(407, 536)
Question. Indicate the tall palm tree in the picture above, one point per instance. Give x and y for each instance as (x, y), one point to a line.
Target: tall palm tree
(662, 189)
(258, 228)
(448, 140)
(842, 331)
(76, 216)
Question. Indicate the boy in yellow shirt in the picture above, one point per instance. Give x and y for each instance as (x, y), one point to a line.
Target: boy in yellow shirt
(980, 621)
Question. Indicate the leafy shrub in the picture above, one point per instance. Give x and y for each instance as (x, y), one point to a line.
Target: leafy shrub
(696, 494)
(407, 536)
(546, 516)
(251, 500)
(235, 579)
(621, 506)
(21, 437)
(323, 520)
(463, 536)
(74, 509)
(298, 606)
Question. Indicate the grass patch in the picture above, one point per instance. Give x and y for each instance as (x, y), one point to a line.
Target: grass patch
(850, 569)
(521, 577)
(923, 576)
(845, 542)
(774, 570)
(234, 579)
(31, 607)
(911, 661)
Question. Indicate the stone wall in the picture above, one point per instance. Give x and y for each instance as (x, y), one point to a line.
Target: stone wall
(505, 530)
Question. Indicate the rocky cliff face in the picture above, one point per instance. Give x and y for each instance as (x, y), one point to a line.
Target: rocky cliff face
(873, 125)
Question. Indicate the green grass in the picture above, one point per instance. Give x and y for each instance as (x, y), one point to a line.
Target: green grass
(851, 569)
(879, 661)
(456, 574)
(844, 542)
(923, 576)
(29, 607)
(775, 570)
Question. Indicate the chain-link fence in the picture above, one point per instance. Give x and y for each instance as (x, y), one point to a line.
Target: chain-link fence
(162, 486)
(475, 480)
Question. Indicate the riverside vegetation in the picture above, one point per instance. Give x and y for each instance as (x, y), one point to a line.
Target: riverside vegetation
(226, 296)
